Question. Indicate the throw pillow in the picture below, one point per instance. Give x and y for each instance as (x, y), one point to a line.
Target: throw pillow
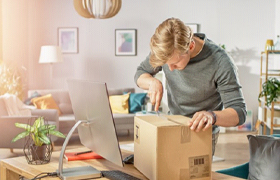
(45, 102)
(33, 95)
(264, 157)
(119, 103)
(136, 100)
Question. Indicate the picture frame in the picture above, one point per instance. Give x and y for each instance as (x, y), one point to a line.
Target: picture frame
(68, 39)
(194, 27)
(125, 42)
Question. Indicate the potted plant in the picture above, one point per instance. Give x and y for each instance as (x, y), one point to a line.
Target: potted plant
(39, 143)
(270, 90)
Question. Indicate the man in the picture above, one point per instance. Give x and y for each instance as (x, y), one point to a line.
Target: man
(202, 80)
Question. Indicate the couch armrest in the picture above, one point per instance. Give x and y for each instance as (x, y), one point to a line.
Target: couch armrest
(8, 130)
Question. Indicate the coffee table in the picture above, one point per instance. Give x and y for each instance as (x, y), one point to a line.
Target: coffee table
(12, 168)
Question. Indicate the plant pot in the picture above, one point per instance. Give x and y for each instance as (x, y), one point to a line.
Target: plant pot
(37, 154)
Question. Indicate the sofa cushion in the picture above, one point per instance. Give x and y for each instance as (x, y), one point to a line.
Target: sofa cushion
(64, 103)
(119, 103)
(264, 157)
(123, 118)
(33, 95)
(60, 96)
(136, 100)
(45, 102)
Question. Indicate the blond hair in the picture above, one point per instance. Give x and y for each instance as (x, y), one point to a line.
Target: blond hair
(172, 34)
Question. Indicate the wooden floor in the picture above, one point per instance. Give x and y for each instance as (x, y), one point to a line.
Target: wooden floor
(232, 146)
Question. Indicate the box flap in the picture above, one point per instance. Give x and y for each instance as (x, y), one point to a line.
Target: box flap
(165, 120)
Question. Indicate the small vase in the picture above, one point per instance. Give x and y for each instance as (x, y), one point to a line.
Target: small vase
(37, 154)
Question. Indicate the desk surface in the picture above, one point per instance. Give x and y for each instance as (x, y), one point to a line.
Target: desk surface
(13, 167)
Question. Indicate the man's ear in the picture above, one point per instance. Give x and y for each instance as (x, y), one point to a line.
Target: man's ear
(192, 45)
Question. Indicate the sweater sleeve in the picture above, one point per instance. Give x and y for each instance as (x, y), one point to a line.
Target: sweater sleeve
(229, 87)
(145, 67)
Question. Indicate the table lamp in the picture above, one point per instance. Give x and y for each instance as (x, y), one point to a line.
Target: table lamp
(50, 54)
(269, 45)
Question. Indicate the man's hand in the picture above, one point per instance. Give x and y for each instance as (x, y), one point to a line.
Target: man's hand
(201, 121)
(155, 92)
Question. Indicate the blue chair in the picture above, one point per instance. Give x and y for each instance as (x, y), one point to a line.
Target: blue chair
(242, 170)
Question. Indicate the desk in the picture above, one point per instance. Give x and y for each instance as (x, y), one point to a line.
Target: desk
(12, 168)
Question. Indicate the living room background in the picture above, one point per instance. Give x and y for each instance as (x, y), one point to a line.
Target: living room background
(243, 26)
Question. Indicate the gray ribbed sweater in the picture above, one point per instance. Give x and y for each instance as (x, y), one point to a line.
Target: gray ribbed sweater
(209, 82)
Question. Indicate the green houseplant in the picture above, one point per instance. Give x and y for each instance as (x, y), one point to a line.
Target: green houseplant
(270, 90)
(39, 143)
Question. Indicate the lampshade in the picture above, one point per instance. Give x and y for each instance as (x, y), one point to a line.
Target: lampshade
(98, 9)
(50, 54)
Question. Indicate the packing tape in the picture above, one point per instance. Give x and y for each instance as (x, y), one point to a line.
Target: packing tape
(185, 131)
(185, 134)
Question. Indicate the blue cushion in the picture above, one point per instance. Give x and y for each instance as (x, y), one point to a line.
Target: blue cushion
(136, 100)
(33, 95)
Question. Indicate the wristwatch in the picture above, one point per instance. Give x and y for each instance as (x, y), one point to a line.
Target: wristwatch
(214, 117)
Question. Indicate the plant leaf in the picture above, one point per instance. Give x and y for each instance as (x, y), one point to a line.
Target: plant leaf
(38, 122)
(270, 90)
(57, 133)
(24, 126)
(47, 127)
(43, 138)
(51, 127)
(21, 135)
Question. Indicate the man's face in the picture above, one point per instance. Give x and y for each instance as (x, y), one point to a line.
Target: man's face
(178, 61)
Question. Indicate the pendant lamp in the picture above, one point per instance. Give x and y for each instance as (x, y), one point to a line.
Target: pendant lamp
(97, 9)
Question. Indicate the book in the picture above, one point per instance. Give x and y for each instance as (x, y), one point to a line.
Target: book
(71, 156)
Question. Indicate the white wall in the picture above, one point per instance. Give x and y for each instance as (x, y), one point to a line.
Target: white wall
(277, 17)
(242, 25)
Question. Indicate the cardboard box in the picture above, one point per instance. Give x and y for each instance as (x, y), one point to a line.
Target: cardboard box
(166, 148)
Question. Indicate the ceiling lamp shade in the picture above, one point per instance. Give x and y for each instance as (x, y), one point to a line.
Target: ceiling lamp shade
(97, 9)
(50, 54)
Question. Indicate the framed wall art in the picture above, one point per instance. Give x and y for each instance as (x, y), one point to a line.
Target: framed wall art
(125, 42)
(68, 39)
(194, 27)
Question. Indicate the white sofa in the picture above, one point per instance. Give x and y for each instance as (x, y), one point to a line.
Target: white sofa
(123, 122)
